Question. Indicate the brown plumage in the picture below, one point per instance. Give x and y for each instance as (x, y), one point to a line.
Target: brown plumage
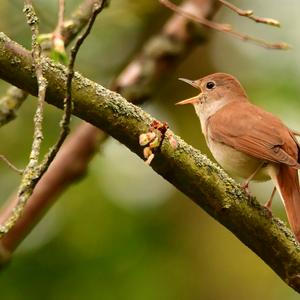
(247, 141)
(250, 129)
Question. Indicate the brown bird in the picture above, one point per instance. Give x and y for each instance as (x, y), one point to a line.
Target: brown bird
(247, 141)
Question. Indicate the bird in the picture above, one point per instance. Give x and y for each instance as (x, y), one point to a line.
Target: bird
(247, 141)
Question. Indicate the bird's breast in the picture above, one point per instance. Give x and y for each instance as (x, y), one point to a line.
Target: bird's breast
(237, 163)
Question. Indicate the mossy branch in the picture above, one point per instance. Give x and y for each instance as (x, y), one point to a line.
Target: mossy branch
(137, 81)
(186, 168)
(34, 170)
(13, 98)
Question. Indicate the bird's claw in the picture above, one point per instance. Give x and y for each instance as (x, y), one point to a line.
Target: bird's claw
(245, 187)
(268, 206)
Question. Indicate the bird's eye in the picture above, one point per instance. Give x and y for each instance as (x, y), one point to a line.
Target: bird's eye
(210, 85)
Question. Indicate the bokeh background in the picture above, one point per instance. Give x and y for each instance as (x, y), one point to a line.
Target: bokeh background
(123, 232)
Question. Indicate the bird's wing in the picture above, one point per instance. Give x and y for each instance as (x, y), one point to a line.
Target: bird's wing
(249, 129)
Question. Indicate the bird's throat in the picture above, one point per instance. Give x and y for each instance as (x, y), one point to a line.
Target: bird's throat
(206, 109)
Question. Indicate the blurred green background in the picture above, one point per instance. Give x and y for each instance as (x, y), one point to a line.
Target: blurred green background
(123, 232)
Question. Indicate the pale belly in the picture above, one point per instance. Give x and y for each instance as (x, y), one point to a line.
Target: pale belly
(239, 164)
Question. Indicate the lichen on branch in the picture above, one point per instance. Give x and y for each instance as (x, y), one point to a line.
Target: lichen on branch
(35, 169)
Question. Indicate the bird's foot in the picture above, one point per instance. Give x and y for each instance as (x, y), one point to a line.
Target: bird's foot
(245, 187)
(268, 204)
(268, 207)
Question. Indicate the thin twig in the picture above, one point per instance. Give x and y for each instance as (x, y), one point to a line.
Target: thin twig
(58, 51)
(61, 12)
(31, 173)
(78, 20)
(32, 21)
(11, 165)
(64, 124)
(203, 21)
(259, 42)
(15, 97)
(249, 14)
(225, 28)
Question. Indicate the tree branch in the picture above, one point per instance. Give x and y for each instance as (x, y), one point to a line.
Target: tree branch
(34, 170)
(226, 28)
(65, 122)
(74, 153)
(78, 20)
(69, 165)
(68, 30)
(186, 168)
(31, 173)
(10, 103)
(249, 14)
(164, 51)
(138, 81)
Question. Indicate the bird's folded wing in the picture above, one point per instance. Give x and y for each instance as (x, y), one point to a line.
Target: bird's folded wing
(249, 129)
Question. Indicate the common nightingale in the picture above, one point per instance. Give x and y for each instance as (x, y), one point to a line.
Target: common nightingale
(247, 141)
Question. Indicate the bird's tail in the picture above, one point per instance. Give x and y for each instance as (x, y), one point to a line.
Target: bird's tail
(287, 184)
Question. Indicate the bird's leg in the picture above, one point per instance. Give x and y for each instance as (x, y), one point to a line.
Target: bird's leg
(245, 184)
(268, 204)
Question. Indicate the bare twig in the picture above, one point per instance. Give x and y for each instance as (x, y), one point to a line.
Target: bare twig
(249, 14)
(68, 166)
(203, 21)
(225, 28)
(32, 21)
(79, 19)
(260, 42)
(163, 52)
(14, 97)
(33, 172)
(11, 165)
(58, 51)
(61, 11)
(97, 8)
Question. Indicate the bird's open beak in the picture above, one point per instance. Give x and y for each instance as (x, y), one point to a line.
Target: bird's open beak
(190, 82)
(192, 100)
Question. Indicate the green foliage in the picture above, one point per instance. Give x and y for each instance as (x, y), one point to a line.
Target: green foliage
(59, 56)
